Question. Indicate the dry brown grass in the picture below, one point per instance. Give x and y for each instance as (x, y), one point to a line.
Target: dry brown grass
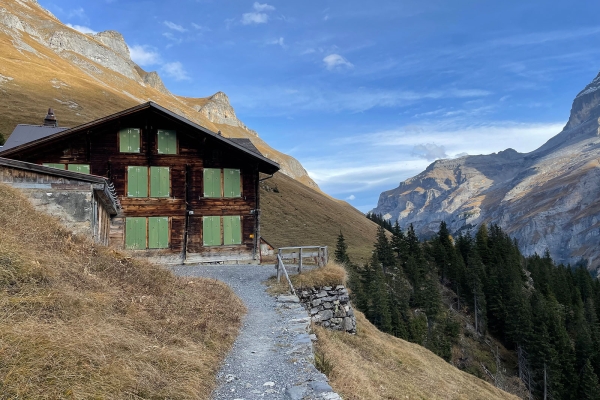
(373, 365)
(296, 215)
(81, 321)
(330, 275)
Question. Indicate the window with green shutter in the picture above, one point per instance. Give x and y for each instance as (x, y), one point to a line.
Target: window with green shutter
(232, 230)
(129, 140)
(212, 182)
(135, 233)
(83, 168)
(211, 231)
(231, 182)
(137, 181)
(54, 165)
(158, 232)
(167, 142)
(160, 183)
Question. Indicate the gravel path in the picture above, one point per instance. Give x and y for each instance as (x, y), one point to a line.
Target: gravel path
(272, 356)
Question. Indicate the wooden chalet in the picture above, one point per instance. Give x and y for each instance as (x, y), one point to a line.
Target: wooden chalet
(186, 194)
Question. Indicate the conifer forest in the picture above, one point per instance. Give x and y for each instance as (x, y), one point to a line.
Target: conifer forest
(546, 314)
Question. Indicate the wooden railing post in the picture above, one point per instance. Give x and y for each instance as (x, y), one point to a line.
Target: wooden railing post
(279, 262)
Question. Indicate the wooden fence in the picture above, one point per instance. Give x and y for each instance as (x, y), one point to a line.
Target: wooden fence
(315, 255)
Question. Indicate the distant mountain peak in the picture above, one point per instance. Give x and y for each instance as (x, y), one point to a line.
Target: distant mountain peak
(546, 199)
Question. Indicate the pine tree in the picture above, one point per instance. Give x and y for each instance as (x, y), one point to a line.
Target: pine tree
(399, 242)
(384, 252)
(588, 383)
(341, 251)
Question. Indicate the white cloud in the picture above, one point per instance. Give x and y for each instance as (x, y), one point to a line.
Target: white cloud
(351, 197)
(254, 18)
(335, 61)
(263, 7)
(82, 29)
(279, 42)
(200, 27)
(174, 26)
(176, 71)
(429, 151)
(78, 12)
(144, 55)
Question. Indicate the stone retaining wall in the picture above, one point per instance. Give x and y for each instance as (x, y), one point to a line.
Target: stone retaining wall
(329, 307)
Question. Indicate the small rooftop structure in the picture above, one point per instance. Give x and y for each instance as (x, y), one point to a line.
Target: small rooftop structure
(25, 133)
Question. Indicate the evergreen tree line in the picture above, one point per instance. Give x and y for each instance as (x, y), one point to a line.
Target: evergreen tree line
(548, 314)
(379, 220)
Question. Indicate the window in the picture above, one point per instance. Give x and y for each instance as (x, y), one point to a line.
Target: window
(231, 183)
(142, 233)
(222, 183)
(137, 181)
(213, 235)
(135, 233)
(212, 182)
(129, 140)
(54, 165)
(83, 168)
(167, 142)
(160, 184)
(158, 232)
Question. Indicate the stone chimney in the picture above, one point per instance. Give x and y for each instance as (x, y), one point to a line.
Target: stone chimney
(50, 119)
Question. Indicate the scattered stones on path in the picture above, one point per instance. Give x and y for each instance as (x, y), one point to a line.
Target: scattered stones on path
(272, 358)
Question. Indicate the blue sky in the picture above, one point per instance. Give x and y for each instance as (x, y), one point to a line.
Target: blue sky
(367, 94)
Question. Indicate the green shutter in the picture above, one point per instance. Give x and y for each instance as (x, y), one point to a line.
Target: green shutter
(137, 181)
(231, 182)
(159, 182)
(232, 230)
(167, 142)
(83, 168)
(211, 231)
(129, 140)
(135, 233)
(54, 165)
(212, 182)
(158, 232)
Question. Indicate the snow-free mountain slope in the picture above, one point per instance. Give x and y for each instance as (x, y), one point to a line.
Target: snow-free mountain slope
(44, 63)
(546, 199)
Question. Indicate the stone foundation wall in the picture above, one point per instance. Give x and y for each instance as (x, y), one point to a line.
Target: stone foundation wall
(329, 307)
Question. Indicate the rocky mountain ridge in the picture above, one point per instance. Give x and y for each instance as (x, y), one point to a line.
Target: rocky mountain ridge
(44, 63)
(546, 199)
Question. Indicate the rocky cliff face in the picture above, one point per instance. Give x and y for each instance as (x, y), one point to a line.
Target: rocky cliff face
(546, 199)
(44, 63)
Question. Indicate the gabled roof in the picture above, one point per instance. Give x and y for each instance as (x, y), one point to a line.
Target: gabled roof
(28, 133)
(270, 166)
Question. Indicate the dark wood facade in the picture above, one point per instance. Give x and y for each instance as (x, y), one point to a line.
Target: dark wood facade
(97, 144)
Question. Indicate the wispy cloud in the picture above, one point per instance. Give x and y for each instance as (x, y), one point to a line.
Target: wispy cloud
(306, 99)
(335, 61)
(254, 18)
(429, 151)
(174, 26)
(538, 38)
(263, 7)
(82, 29)
(144, 55)
(259, 15)
(176, 71)
(200, 27)
(279, 42)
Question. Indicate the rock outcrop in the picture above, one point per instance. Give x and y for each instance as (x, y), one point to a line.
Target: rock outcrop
(218, 110)
(546, 199)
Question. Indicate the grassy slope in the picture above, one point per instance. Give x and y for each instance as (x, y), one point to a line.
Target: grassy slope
(295, 215)
(374, 365)
(82, 321)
